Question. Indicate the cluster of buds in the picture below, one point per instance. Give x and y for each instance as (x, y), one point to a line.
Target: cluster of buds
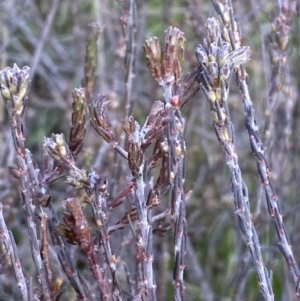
(91, 60)
(216, 57)
(75, 227)
(78, 120)
(135, 153)
(281, 25)
(100, 119)
(230, 28)
(14, 86)
(166, 66)
(59, 150)
(217, 62)
(280, 37)
(154, 125)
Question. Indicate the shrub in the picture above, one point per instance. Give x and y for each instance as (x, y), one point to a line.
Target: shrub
(133, 201)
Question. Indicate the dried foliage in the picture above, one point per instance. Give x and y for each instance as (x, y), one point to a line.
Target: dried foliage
(136, 204)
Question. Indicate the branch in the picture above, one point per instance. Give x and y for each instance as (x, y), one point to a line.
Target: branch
(232, 32)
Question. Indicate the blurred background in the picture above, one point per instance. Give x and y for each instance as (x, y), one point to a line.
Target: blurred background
(51, 36)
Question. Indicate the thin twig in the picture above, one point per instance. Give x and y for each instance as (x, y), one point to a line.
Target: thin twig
(13, 253)
(225, 11)
(44, 36)
(14, 89)
(98, 194)
(216, 74)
